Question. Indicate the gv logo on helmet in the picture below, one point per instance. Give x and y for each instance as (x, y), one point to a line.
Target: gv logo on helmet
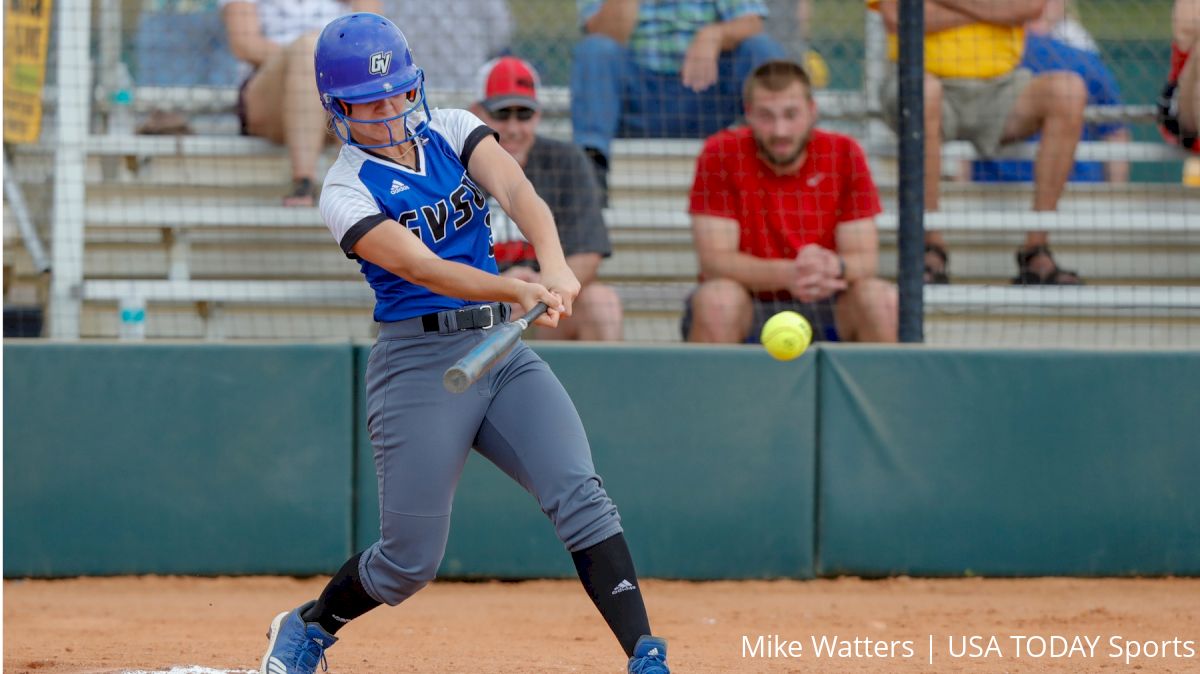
(381, 62)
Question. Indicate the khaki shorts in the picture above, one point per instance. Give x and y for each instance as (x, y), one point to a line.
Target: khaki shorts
(972, 110)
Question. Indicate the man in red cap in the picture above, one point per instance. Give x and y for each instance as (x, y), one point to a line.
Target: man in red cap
(563, 176)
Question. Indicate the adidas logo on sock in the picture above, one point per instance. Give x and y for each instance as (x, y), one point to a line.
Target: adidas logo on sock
(624, 586)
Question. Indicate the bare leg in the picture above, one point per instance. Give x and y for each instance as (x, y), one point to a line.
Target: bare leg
(304, 118)
(721, 313)
(1117, 171)
(596, 317)
(264, 99)
(933, 170)
(933, 142)
(282, 106)
(868, 311)
(1053, 104)
(1189, 90)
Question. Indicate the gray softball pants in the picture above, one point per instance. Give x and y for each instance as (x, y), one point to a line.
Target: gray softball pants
(518, 416)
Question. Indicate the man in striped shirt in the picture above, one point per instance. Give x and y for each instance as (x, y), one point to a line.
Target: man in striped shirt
(669, 68)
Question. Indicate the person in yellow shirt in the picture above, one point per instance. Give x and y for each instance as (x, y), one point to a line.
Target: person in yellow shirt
(976, 91)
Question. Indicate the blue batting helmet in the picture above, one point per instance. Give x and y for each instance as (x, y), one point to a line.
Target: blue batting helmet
(362, 58)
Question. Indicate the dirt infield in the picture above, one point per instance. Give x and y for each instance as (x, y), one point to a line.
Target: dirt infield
(102, 625)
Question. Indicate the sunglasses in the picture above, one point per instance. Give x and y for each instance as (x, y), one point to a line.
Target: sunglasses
(504, 114)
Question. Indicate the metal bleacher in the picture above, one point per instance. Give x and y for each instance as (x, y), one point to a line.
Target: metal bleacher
(190, 226)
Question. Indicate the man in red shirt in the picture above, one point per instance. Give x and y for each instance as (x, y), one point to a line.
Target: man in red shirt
(783, 217)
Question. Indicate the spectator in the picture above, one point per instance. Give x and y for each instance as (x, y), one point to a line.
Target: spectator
(278, 98)
(180, 43)
(452, 38)
(1057, 41)
(670, 68)
(1179, 106)
(976, 91)
(791, 27)
(783, 216)
(562, 175)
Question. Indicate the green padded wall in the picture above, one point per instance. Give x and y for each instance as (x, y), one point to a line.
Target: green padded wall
(214, 459)
(1008, 462)
(176, 459)
(708, 453)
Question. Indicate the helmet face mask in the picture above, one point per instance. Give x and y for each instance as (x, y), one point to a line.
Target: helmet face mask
(415, 118)
(362, 58)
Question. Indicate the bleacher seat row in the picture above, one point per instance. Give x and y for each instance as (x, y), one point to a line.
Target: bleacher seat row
(176, 222)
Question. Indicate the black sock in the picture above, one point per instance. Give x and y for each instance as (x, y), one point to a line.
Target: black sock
(342, 600)
(606, 570)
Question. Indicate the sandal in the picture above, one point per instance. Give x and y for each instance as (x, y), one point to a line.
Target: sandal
(302, 193)
(935, 274)
(1028, 276)
(165, 123)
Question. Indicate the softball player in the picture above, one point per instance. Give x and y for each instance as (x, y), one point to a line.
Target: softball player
(406, 199)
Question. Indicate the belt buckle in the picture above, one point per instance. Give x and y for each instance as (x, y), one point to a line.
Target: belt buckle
(491, 314)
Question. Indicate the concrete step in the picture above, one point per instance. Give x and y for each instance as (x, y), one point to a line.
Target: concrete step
(978, 264)
(1048, 332)
(992, 333)
(260, 323)
(312, 253)
(243, 322)
(236, 161)
(100, 320)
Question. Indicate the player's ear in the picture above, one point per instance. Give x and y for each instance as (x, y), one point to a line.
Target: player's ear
(411, 95)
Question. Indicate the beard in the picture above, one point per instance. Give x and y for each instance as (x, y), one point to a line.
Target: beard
(764, 149)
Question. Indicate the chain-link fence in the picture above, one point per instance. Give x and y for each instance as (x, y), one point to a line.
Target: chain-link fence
(164, 199)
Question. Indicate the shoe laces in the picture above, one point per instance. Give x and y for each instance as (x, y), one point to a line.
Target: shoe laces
(314, 652)
(648, 664)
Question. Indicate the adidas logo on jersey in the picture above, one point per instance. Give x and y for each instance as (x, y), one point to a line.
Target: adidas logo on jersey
(624, 586)
(398, 187)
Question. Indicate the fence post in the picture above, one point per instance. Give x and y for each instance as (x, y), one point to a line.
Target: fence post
(73, 76)
(911, 235)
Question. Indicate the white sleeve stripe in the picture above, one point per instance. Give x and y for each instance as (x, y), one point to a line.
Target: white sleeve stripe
(455, 126)
(344, 205)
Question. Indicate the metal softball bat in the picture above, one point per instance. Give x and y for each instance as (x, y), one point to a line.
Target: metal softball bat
(480, 359)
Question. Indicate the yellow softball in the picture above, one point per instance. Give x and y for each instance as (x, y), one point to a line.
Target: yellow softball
(786, 335)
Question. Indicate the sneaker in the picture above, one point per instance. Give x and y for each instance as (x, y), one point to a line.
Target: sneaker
(649, 656)
(296, 647)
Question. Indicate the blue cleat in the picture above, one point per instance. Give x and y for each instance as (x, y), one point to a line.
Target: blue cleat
(649, 656)
(296, 647)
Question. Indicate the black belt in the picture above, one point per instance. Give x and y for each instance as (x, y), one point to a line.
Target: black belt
(479, 316)
(468, 318)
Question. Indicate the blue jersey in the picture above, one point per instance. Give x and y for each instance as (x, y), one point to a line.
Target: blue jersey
(437, 201)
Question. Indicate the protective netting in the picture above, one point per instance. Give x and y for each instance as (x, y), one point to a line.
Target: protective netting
(142, 210)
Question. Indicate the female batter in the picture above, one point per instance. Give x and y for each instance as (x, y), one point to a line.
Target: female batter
(406, 199)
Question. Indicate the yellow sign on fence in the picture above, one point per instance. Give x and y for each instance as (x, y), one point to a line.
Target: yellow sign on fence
(26, 33)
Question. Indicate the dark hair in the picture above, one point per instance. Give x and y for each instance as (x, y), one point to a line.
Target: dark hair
(776, 76)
